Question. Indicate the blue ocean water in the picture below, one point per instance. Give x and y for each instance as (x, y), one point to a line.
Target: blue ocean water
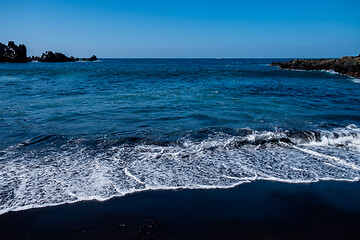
(95, 130)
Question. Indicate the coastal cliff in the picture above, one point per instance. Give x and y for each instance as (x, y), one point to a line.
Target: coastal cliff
(345, 65)
(13, 53)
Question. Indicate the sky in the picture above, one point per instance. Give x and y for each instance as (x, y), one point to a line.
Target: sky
(184, 29)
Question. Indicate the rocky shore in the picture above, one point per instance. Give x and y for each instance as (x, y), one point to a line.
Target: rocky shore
(17, 54)
(345, 65)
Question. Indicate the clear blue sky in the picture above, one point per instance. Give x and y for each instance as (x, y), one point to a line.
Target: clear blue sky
(186, 28)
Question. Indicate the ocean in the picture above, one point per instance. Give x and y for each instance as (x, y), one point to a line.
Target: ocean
(97, 130)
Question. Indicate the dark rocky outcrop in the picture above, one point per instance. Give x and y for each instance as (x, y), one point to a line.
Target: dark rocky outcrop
(50, 56)
(13, 53)
(92, 58)
(345, 65)
(17, 54)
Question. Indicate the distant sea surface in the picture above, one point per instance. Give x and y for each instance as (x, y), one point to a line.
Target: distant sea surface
(95, 130)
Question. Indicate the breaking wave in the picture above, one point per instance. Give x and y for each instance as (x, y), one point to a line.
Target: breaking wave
(61, 171)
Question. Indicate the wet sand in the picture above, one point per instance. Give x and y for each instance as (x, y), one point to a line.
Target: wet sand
(258, 210)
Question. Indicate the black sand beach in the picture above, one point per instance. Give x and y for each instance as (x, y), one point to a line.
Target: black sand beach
(258, 210)
(168, 120)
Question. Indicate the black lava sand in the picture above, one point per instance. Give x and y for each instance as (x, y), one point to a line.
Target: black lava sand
(258, 210)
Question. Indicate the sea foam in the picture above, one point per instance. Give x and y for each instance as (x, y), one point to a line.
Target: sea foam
(76, 172)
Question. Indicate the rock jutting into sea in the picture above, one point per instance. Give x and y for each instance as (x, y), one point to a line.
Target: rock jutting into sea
(50, 56)
(17, 54)
(13, 53)
(92, 58)
(345, 65)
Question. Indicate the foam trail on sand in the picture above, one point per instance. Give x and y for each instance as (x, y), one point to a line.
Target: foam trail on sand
(132, 176)
(336, 159)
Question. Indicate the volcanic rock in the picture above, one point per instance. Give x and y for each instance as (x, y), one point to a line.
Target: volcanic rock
(345, 65)
(13, 53)
(50, 56)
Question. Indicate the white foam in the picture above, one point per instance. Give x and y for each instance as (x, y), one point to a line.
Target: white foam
(331, 72)
(355, 80)
(335, 159)
(71, 173)
(349, 136)
(132, 176)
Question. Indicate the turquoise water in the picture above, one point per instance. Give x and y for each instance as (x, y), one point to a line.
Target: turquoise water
(95, 130)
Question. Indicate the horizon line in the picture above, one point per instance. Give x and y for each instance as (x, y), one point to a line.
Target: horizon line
(219, 58)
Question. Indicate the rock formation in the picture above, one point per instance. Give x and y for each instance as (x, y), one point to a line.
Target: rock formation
(13, 53)
(92, 58)
(50, 56)
(345, 65)
(17, 54)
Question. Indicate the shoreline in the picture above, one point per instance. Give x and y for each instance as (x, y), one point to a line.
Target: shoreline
(331, 71)
(349, 66)
(256, 210)
(323, 70)
(198, 188)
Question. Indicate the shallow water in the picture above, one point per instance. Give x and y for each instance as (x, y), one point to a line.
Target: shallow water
(95, 130)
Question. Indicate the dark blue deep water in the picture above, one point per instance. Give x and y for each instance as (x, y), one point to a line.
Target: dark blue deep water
(95, 130)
